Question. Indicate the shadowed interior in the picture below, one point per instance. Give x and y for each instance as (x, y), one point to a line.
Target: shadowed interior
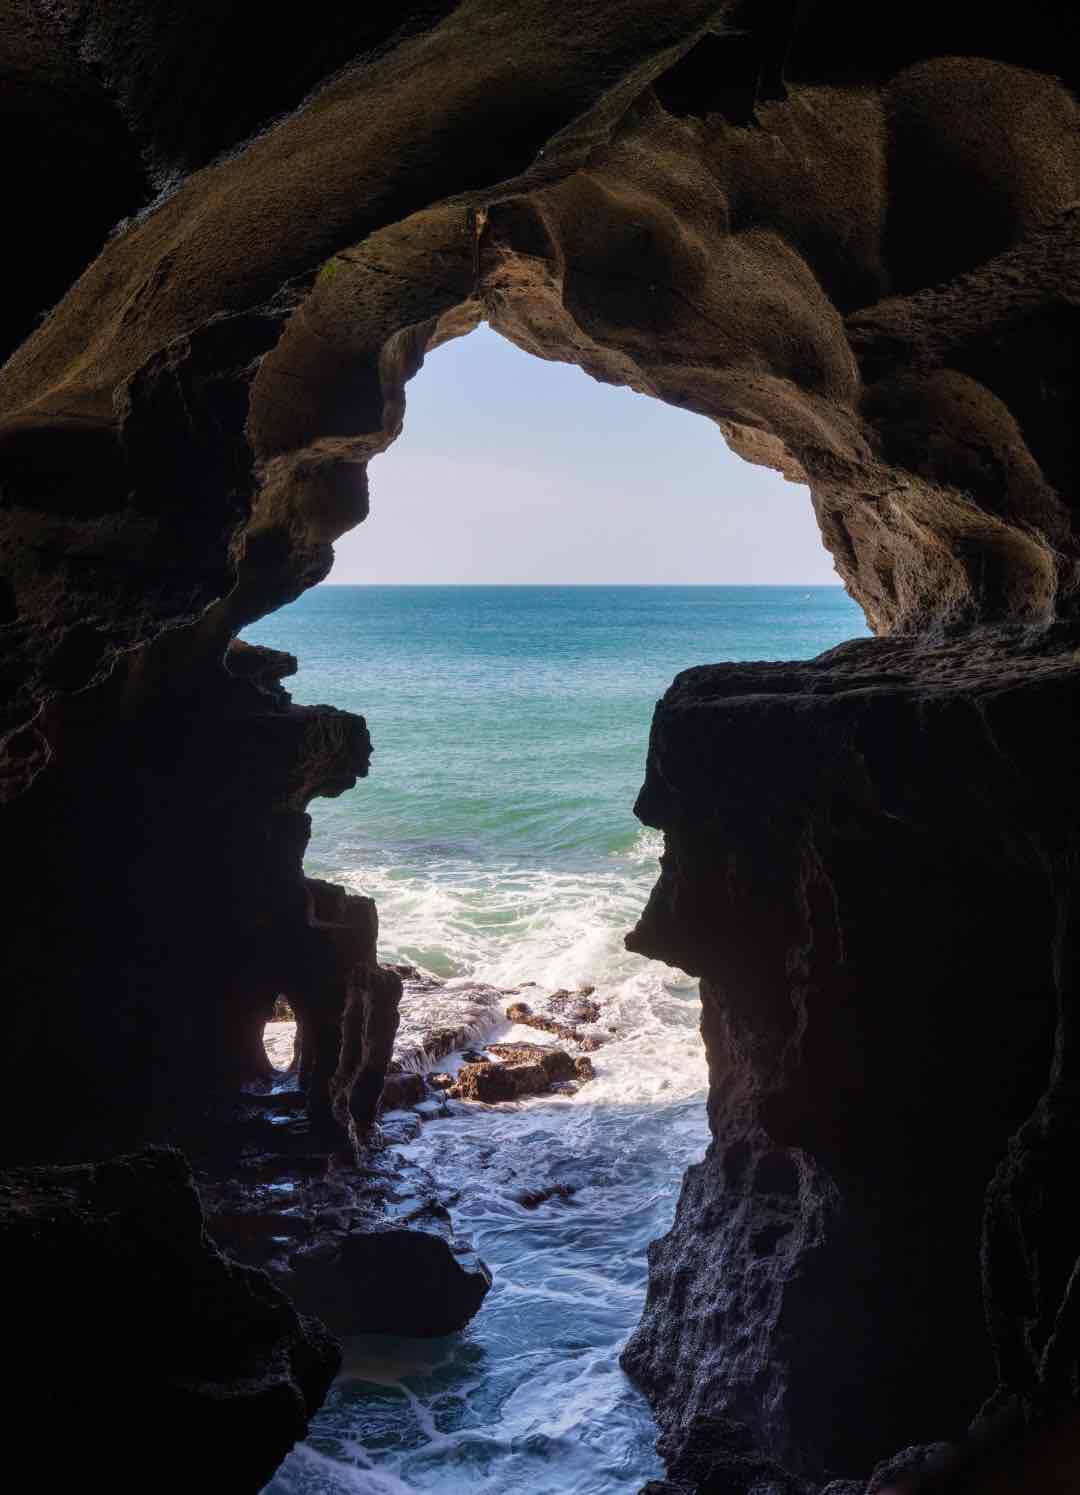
(851, 246)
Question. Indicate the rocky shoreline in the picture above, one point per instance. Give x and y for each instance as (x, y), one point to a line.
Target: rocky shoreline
(449, 1020)
(365, 1241)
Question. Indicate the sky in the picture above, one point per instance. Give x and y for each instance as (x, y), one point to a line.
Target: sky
(514, 470)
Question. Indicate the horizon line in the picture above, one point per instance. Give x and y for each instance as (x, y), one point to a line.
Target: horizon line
(643, 585)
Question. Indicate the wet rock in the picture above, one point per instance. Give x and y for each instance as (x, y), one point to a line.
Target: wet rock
(400, 1127)
(869, 288)
(392, 1281)
(575, 1006)
(440, 1081)
(791, 1264)
(202, 1356)
(583, 1069)
(521, 1012)
(494, 1083)
(520, 1053)
(533, 1198)
(439, 1018)
(533, 1074)
(402, 1090)
(280, 1198)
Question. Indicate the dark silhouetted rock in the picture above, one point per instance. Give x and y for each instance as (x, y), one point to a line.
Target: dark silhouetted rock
(844, 1051)
(402, 1090)
(533, 1198)
(388, 1281)
(846, 235)
(195, 1354)
(905, 1469)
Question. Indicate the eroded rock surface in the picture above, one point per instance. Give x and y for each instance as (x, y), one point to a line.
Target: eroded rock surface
(363, 1240)
(846, 235)
(514, 1075)
(865, 871)
(127, 1324)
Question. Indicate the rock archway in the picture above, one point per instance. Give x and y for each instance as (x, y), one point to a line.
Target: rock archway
(857, 254)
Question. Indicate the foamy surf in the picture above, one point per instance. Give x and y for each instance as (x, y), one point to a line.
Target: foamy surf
(510, 728)
(530, 1397)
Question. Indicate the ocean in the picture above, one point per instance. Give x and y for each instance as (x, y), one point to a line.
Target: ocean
(496, 833)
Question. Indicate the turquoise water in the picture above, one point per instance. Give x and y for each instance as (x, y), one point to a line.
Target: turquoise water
(495, 830)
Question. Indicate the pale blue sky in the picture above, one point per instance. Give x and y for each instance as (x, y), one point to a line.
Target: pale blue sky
(511, 469)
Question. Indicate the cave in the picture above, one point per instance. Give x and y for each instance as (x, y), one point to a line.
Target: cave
(849, 241)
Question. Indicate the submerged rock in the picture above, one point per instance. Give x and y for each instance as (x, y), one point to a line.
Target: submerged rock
(532, 1198)
(575, 1006)
(521, 1012)
(401, 1090)
(439, 1018)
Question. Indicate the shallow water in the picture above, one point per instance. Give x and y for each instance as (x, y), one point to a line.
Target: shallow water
(496, 834)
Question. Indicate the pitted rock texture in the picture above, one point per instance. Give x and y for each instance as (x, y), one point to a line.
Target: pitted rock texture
(724, 206)
(247, 340)
(134, 1336)
(846, 235)
(865, 868)
(516, 1072)
(164, 907)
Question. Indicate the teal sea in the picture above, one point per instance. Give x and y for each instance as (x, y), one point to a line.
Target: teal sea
(496, 832)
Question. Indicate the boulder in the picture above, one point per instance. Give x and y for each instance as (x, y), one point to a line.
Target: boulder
(386, 1280)
(187, 1352)
(534, 1072)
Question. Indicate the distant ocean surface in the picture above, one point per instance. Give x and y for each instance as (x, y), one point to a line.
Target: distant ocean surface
(495, 831)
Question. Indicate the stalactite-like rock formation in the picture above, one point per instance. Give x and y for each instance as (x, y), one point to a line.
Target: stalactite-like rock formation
(846, 236)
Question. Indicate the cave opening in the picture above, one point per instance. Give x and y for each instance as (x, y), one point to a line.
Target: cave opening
(543, 554)
(855, 250)
(538, 514)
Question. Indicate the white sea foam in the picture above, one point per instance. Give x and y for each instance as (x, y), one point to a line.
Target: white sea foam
(504, 926)
(530, 1398)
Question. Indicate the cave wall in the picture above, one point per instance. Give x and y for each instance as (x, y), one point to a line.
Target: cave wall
(847, 238)
(875, 892)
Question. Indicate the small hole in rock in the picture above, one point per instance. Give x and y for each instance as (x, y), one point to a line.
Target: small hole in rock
(279, 1036)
